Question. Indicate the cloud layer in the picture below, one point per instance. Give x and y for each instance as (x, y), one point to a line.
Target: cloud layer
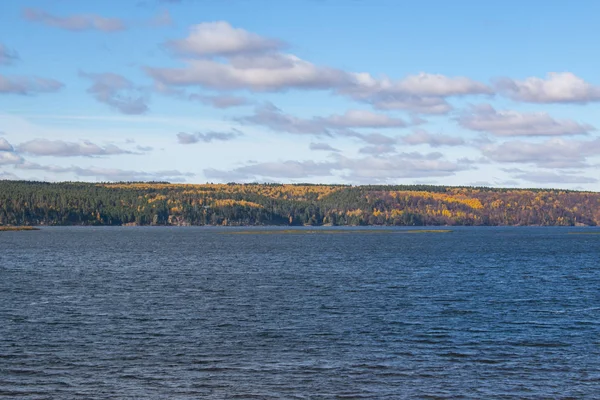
(80, 22)
(109, 174)
(552, 153)
(59, 148)
(23, 85)
(342, 120)
(275, 119)
(191, 138)
(117, 92)
(221, 57)
(558, 87)
(421, 136)
(368, 169)
(485, 118)
(221, 39)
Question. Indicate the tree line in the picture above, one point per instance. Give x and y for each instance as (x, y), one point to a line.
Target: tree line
(25, 203)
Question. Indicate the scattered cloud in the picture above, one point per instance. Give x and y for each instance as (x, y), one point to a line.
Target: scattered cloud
(553, 153)
(379, 149)
(273, 118)
(10, 158)
(261, 73)
(416, 104)
(277, 170)
(117, 92)
(59, 148)
(424, 84)
(222, 101)
(5, 146)
(422, 93)
(221, 39)
(358, 170)
(276, 72)
(485, 118)
(362, 119)
(398, 166)
(375, 139)
(545, 177)
(7, 56)
(7, 154)
(322, 147)
(558, 87)
(421, 136)
(28, 85)
(79, 22)
(110, 174)
(144, 148)
(191, 138)
(234, 59)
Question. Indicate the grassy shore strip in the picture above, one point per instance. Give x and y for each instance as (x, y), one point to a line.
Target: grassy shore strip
(335, 232)
(17, 228)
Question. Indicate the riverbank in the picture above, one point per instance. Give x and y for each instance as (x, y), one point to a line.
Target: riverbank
(18, 228)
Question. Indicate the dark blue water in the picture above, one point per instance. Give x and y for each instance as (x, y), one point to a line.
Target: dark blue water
(183, 313)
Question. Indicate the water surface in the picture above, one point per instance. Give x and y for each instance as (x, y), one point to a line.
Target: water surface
(185, 313)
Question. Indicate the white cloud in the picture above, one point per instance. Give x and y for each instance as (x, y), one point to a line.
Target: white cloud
(422, 84)
(110, 174)
(222, 101)
(552, 177)
(412, 103)
(5, 146)
(421, 136)
(10, 158)
(398, 166)
(362, 119)
(60, 148)
(80, 22)
(370, 169)
(421, 93)
(277, 170)
(558, 87)
(255, 63)
(322, 147)
(221, 39)
(377, 150)
(191, 138)
(117, 92)
(264, 73)
(553, 153)
(272, 117)
(375, 139)
(485, 118)
(24, 85)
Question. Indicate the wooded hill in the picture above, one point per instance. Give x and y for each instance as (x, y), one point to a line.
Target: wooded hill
(39, 203)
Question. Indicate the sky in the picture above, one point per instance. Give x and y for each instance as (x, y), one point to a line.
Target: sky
(462, 93)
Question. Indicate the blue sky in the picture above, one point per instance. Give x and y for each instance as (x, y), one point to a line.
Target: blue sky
(498, 94)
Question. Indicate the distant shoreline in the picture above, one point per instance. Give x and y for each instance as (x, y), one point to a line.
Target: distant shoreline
(163, 204)
(18, 228)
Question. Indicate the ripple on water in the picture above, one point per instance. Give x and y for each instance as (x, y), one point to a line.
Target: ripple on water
(166, 313)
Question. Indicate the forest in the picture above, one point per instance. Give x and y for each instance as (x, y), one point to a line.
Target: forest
(25, 203)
